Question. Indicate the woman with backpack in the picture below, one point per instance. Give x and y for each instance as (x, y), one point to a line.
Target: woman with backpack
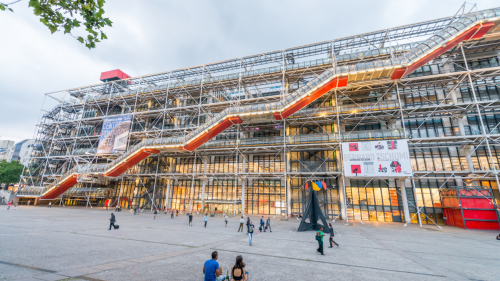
(238, 271)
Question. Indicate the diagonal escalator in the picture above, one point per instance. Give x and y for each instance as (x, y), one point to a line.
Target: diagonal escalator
(473, 26)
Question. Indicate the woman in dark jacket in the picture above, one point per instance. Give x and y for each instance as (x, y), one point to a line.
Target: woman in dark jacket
(330, 229)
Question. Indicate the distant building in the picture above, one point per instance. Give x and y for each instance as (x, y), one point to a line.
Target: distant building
(22, 151)
(6, 149)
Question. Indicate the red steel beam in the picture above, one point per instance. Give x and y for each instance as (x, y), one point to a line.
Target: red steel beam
(130, 162)
(334, 83)
(474, 32)
(194, 144)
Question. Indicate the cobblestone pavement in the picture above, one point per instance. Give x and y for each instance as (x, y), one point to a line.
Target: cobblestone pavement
(38, 243)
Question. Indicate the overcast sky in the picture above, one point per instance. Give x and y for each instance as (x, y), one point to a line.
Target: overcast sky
(155, 36)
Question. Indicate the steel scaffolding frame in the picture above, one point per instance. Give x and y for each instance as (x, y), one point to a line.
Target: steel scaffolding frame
(180, 101)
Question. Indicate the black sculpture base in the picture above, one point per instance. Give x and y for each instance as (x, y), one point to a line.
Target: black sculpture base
(312, 215)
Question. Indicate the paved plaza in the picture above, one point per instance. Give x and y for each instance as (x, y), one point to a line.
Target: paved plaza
(38, 243)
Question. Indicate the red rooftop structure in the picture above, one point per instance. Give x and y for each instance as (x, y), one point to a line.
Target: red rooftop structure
(113, 75)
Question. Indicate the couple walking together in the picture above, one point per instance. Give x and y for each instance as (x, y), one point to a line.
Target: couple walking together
(319, 237)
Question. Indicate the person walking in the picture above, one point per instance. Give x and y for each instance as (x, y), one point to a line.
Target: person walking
(190, 219)
(112, 221)
(8, 206)
(330, 230)
(50, 205)
(29, 202)
(205, 218)
(135, 211)
(156, 213)
(261, 224)
(250, 231)
(242, 221)
(176, 213)
(238, 270)
(212, 270)
(268, 224)
(226, 219)
(319, 237)
(248, 221)
(172, 215)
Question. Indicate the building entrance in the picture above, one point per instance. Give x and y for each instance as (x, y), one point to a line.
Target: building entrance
(219, 209)
(374, 201)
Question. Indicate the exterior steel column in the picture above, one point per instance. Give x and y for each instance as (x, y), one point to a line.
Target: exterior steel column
(460, 124)
(453, 95)
(119, 194)
(405, 200)
(343, 205)
(243, 186)
(467, 152)
(153, 201)
(340, 131)
(191, 192)
(341, 184)
(203, 183)
(168, 204)
(412, 183)
(288, 197)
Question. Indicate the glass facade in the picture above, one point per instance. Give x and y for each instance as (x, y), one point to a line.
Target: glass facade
(374, 200)
(259, 166)
(265, 196)
(329, 199)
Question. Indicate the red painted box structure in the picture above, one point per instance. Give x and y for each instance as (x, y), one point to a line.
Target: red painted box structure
(470, 207)
(113, 75)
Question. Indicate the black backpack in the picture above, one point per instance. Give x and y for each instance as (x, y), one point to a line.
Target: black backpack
(237, 277)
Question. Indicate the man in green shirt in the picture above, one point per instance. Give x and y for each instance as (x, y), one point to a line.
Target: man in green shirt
(320, 240)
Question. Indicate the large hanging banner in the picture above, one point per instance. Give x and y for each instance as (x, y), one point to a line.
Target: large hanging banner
(388, 158)
(114, 134)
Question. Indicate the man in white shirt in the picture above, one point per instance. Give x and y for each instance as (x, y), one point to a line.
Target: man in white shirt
(205, 218)
(226, 219)
(242, 221)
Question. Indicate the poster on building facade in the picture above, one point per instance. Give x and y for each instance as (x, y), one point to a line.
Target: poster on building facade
(367, 159)
(114, 134)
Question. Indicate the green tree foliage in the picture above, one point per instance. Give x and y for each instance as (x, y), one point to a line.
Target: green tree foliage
(67, 15)
(10, 172)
